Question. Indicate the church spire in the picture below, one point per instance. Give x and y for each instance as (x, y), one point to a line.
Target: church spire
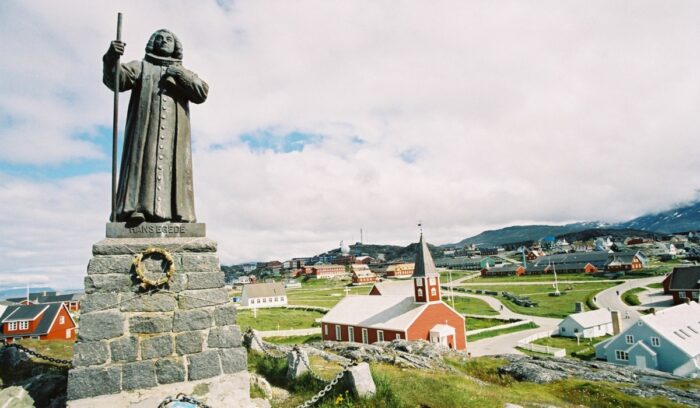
(426, 280)
(424, 261)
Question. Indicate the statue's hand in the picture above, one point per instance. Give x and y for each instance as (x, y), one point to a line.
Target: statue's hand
(116, 48)
(175, 71)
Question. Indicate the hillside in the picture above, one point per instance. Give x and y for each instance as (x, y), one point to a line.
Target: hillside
(523, 234)
(683, 218)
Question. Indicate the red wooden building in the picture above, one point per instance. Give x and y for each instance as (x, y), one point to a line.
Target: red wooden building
(418, 314)
(41, 322)
(684, 284)
(362, 275)
(401, 270)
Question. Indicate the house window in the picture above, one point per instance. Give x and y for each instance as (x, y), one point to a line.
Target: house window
(694, 295)
(62, 320)
(419, 282)
(621, 355)
(337, 332)
(640, 323)
(433, 292)
(432, 281)
(420, 292)
(282, 298)
(576, 330)
(563, 329)
(24, 325)
(325, 329)
(655, 342)
(398, 336)
(12, 326)
(380, 335)
(365, 337)
(351, 334)
(681, 295)
(629, 339)
(264, 300)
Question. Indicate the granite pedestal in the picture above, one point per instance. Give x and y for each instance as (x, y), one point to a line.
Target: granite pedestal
(132, 339)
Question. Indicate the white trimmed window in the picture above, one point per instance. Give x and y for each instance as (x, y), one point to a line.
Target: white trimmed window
(420, 292)
(398, 336)
(629, 339)
(62, 320)
(337, 332)
(325, 329)
(681, 295)
(419, 282)
(694, 295)
(380, 335)
(24, 325)
(656, 342)
(351, 334)
(12, 326)
(432, 281)
(365, 336)
(433, 292)
(621, 355)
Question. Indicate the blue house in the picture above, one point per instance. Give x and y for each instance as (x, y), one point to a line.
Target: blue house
(668, 340)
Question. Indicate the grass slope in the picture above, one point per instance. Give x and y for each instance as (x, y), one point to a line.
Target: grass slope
(277, 319)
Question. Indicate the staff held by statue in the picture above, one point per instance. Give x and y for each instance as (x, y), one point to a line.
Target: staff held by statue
(115, 124)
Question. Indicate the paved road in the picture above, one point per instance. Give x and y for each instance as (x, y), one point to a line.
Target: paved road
(505, 344)
(611, 299)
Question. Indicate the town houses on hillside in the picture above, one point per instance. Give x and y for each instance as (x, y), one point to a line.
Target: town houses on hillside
(71, 300)
(394, 314)
(36, 321)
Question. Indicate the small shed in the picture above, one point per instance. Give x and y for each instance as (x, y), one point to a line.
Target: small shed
(587, 325)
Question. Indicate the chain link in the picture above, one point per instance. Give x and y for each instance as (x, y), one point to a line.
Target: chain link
(39, 355)
(328, 387)
(304, 360)
(183, 398)
(263, 346)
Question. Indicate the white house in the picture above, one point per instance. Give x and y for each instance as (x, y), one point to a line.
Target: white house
(587, 325)
(668, 340)
(260, 295)
(292, 284)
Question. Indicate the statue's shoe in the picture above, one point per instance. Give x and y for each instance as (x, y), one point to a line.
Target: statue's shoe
(136, 218)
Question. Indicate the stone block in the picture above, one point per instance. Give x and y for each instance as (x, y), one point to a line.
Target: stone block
(200, 263)
(110, 282)
(297, 361)
(159, 346)
(359, 380)
(124, 349)
(233, 360)
(150, 302)
(100, 326)
(94, 302)
(189, 342)
(192, 320)
(110, 264)
(16, 397)
(151, 324)
(225, 315)
(205, 280)
(224, 337)
(90, 353)
(203, 365)
(170, 370)
(88, 382)
(177, 283)
(139, 375)
(193, 299)
(131, 246)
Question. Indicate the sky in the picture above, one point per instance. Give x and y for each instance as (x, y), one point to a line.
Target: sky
(327, 117)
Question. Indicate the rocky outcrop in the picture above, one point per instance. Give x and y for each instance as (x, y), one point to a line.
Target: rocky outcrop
(640, 382)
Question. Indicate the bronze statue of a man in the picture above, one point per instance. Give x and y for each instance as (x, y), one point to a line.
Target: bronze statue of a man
(155, 178)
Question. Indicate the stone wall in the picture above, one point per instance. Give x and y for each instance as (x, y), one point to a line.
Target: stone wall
(131, 339)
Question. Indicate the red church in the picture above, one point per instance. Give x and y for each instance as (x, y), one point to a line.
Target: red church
(419, 314)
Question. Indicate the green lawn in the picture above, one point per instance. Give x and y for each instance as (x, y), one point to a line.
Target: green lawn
(475, 323)
(456, 274)
(538, 278)
(277, 319)
(294, 339)
(549, 306)
(630, 297)
(60, 349)
(493, 333)
(323, 296)
(584, 350)
(468, 305)
(657, 285)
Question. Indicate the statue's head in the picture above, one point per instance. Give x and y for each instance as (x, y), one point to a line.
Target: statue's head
(164, 44)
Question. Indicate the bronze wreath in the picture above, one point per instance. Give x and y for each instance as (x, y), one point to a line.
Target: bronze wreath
(141, 273)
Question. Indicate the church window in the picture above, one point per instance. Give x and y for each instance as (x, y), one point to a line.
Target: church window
(420, 292)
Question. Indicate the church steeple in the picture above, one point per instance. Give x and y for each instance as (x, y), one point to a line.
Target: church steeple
(426, 279)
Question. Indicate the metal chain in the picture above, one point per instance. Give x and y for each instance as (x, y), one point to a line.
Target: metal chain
(39, 355)
(263, 347)
(327, 388)
(308, 366)
(183, 398)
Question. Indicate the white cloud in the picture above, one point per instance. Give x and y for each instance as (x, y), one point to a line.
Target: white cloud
(541, 111)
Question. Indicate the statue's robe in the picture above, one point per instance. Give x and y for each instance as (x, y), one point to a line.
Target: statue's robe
(155, 177)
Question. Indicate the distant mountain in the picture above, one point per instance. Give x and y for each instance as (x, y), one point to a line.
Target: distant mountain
(616, 234)
(524, 234)
(683, 218)
(13, 293)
